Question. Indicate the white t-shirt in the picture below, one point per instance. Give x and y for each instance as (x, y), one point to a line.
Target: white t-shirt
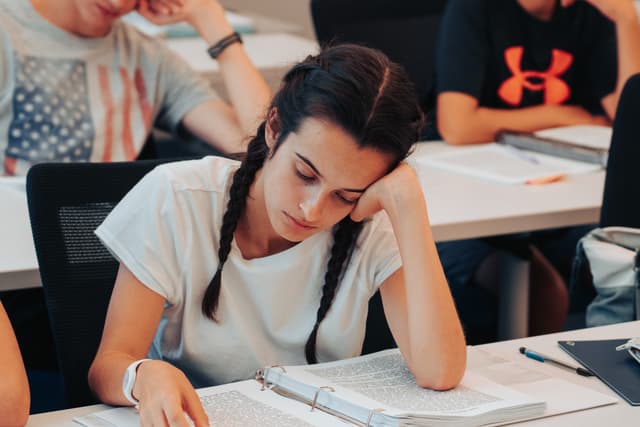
(70, 98)
(166, 231)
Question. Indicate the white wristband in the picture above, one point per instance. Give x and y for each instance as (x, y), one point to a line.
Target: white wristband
(129, 379)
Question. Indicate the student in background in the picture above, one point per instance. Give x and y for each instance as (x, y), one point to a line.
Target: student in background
(14, 388)
(532, 64)
(526, 65)
(226, 267)
(76, 84)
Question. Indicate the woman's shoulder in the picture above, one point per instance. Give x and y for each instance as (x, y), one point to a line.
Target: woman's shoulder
(209, 174)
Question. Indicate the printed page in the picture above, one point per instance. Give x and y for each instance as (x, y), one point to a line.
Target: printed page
(585, 135)
(505, 164)
(383, 381)
(242, 404)
(561, 396)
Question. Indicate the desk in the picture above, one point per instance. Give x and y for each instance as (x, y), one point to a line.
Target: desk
(462, 207)
(18, 264)
(459, 207)
(618, 415)
(272, 53)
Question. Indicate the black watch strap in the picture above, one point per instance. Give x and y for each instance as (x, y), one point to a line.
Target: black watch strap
(215, 50)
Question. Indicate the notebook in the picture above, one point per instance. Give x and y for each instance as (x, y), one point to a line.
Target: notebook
(617, 369)
(505, 164)
(377, 390)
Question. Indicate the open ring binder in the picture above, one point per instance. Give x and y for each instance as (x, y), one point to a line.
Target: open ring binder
(371, 414)
(315, 396)
(260, 376)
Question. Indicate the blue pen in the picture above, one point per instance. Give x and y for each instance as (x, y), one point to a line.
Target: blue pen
(542, 358)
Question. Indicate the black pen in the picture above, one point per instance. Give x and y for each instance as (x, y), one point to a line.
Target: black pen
(542, 358)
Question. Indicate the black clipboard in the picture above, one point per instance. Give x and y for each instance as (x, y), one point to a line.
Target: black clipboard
(617, 369)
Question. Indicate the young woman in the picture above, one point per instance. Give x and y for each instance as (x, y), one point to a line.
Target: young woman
(14, 388)
(227, 267)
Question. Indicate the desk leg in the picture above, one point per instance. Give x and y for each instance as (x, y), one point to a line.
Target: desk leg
(513, 316)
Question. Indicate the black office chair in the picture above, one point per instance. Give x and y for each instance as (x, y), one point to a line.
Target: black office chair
(405, 30)
(66, 204)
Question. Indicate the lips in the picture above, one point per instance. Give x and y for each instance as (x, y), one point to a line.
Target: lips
(108, 12)
(301, 224)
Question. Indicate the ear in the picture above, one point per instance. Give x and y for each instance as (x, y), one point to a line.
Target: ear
(272, 128)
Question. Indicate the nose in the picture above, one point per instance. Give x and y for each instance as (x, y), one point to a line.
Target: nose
(313, 206)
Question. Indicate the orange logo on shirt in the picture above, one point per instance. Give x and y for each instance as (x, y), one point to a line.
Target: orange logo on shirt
(556, 90)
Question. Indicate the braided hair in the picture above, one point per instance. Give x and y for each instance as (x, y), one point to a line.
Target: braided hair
(356, 88)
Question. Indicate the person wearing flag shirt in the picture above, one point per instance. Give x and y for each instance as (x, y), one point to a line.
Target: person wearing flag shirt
(78, 85)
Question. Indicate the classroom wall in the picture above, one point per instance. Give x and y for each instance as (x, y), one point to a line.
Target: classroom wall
(293, 11)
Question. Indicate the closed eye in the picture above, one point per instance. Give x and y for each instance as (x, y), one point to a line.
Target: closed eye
(305, 178)
(345, 200)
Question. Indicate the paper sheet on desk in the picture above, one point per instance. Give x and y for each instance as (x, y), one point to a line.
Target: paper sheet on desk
(502, 164)
(560, 395)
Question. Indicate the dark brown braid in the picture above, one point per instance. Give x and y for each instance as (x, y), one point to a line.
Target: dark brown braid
(345, 234)
(242, 179)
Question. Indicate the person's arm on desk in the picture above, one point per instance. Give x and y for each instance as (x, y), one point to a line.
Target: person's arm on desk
(461, 120)
(417, 302)
(164, 392)
(14, 388)
(215, 121)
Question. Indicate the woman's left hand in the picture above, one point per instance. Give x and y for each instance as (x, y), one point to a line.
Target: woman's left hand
(393, 192)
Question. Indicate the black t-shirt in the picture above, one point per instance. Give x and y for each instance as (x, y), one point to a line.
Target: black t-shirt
(498, 53)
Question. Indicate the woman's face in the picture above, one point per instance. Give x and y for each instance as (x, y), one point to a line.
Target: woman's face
(316, 177)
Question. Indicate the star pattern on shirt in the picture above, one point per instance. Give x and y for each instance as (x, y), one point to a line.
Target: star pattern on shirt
(51, 118)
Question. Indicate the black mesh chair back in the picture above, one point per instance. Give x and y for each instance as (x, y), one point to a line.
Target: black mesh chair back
(405, 30)
(67, 202)
(621, 200)
(377, 335)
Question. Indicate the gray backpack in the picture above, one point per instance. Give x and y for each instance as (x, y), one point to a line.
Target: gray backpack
(612, 254)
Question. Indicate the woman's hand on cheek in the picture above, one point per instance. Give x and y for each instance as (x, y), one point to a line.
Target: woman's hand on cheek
(367, 204)
(392, 193)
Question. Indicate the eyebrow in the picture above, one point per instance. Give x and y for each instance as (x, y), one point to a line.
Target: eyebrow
(312, 166)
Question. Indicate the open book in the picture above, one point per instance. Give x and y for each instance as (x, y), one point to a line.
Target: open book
(378, 390)
(583, 143)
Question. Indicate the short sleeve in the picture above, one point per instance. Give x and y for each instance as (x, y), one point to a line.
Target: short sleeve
(182, 90)
(461, 52)
(141, 232)
(379, 251)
